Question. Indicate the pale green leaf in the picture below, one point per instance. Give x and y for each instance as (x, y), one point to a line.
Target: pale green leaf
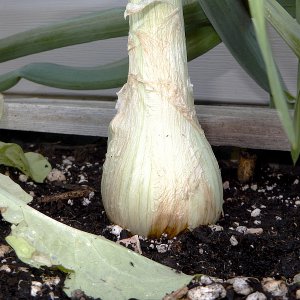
(284, 23)
(289, 6)
(296, 150)
(6, 184)
(32, 164)
(101, 268)
(199, 40)
(232, 22)
(289, 30)
(13, 215)
(95, 26)
(277, 91)
(39, 166)
(105, 24)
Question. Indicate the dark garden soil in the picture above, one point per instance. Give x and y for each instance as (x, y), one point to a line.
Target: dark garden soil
(258, 235)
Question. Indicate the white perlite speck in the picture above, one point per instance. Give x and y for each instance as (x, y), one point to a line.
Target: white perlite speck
(36, 288)
(86, 201)
(67, 161)
(255, 213)
(23, 178)
(216, 228)
(162, 248)
(209, 292)
(245, 187)
(52, 281)
(226, 185)
(56, 175)
(233, 240)
(256, 231)
(254, 187)
(241, 229)
(245, 230)
(115, 230)
(5, 268)
(82, 178)
(256, 296)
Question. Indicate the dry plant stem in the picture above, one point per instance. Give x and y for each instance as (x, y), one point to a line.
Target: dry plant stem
(160, 174)
(67, 195)
(178, 295)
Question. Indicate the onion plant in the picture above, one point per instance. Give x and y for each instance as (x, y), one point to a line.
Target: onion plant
(156, 120)
(230, 18)
(160, 174)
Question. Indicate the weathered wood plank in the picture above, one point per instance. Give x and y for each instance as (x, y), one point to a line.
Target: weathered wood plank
(241, 126)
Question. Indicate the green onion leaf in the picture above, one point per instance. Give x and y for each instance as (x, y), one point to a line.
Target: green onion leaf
(87, 28)
(199, 40)
(296, 150)
(232, 22)
(277, 91)
(91, 27)
(285, 25)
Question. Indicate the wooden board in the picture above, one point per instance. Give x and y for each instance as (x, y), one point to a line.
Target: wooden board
(241, 126)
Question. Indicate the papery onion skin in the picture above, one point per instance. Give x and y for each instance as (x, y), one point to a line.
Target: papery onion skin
(160, 174)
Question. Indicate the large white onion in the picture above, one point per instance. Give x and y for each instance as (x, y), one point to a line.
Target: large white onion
(160, 174)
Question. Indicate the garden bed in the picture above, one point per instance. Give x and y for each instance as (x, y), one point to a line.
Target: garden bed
(258, 235)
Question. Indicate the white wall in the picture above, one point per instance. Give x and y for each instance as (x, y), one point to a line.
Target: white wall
(216, 76)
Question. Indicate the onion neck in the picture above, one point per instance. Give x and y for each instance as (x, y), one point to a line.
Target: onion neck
(157, 54)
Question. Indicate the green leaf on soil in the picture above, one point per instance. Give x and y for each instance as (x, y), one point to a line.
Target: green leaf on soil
(101, 268)
(32, 164)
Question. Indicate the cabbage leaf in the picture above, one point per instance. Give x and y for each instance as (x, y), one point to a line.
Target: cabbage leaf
(32, 164)
(98, 267)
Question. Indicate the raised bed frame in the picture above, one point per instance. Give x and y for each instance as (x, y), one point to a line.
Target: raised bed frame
(224, 125)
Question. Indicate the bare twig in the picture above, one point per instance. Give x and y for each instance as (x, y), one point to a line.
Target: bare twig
(74, 194)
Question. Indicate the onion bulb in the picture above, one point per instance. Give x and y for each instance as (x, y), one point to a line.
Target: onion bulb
(160, 174)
